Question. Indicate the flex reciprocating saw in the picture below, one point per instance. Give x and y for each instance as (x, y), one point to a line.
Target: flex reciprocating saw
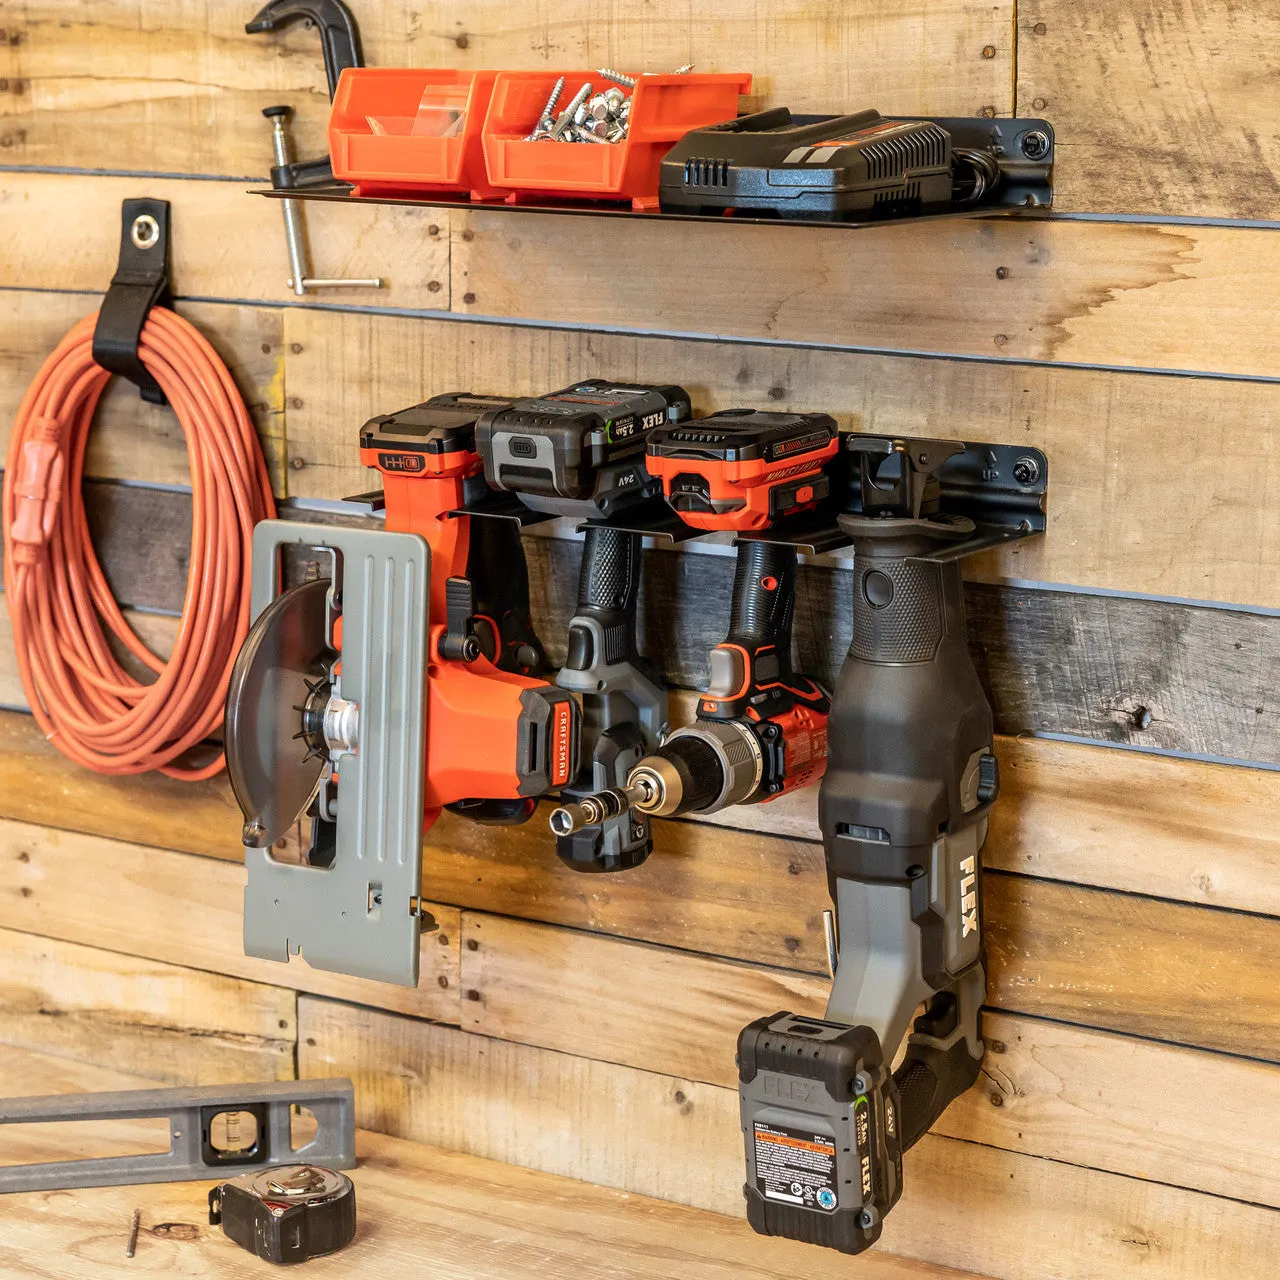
(911, 777)
(580, 452)
(761, 728)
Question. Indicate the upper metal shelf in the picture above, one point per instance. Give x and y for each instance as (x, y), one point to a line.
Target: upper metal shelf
(342, 195)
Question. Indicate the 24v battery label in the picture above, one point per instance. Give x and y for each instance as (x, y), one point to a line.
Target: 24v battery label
(796, 1166)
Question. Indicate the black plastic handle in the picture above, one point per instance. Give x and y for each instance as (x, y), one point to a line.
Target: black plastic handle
(339, 36)
(764, 599)
(499, 573)
(608, 587)
(928, 1081)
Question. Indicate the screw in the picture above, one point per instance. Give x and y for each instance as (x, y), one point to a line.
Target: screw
(1141, 718)
(988, 51)
(1034, 144)
(297, 463)
(1000, 339)
(627, 82)
(866, 1219)
(567, 116)
(988, 113)
(1026, 471)
(1039, 103)
(1002, 273)
(997, 1100)
(1039, 28)
(685, 69)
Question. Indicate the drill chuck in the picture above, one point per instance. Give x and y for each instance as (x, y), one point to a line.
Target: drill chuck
(702, 768)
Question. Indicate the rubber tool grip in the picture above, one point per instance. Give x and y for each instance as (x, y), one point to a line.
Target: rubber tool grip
(928, 1081)
(764, 596)
(608, 586)
(899, 609)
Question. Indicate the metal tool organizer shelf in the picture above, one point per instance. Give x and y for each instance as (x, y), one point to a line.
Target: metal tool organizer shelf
(605, 209)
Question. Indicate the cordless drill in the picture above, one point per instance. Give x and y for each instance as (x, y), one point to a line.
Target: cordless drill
(498, 736)
(904, 806)
(580, 452)
(761, 728)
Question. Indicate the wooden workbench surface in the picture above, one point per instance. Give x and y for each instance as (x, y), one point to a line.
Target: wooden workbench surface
(423, 1212)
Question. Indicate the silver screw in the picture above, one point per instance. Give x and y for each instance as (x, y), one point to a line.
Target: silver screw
(546, 120)
(566, 117)
(627, 82)
(684, 71)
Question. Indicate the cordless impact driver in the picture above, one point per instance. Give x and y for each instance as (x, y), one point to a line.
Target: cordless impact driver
(911, 777)
(580, 453)
(761, 728)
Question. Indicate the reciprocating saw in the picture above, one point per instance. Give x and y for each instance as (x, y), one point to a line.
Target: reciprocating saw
(911, 777)
(761, 728)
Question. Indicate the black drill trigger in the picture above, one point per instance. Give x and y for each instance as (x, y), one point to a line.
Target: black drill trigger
(460, 642)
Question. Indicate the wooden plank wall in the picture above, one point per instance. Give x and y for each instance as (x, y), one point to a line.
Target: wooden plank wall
(1127, 1115)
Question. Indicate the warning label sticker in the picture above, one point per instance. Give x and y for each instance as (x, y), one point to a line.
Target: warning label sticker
(796, 1166)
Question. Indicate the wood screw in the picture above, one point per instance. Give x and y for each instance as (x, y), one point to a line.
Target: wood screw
(988, 51)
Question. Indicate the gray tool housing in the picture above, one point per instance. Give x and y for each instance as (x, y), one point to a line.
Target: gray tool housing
(361, 915)
(190, 1112)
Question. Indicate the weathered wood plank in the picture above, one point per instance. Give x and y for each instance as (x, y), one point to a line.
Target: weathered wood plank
(1191, 975)
(1052, 661)
(183, 910)
(1183, 974)
(177, 87)
(967, 1204)
(132, 439)
(1157, 106)
(226, 243)
(170, 1024)
(1118, 446)
(424, 1213)
(672, 1012)
(1120, 295)
(1178, 1116)
(1160, 969)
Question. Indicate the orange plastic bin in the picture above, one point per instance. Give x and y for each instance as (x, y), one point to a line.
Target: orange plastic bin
(663, 109)
(410, 131)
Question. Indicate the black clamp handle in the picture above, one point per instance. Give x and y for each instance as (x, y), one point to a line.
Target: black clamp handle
(339, 36)
(141, 282)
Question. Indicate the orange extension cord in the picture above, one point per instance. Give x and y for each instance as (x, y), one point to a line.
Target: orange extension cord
(89, 706)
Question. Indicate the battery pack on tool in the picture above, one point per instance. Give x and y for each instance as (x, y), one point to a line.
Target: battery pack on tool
(580, 451)
(435, 438)
(820, 1120)
(859, 166)
(744, 468)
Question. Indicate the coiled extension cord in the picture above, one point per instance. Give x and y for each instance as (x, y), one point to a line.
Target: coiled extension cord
(89, 706)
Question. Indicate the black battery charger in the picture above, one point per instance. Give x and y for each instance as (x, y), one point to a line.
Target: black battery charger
(856, 167)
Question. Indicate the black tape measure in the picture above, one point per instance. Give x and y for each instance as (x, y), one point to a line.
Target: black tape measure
(287, 1214)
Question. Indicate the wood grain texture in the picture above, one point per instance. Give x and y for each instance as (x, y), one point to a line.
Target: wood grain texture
(1119, 295)
(1178, 1116)
(1173, 973)
(177, 86)
(1167, 107)
(226, 243)
(131, 439)
(1187, 974)
(1060, 662)
(182, 910)
(966, 1204)
(423, 1213)
(648, 1007)
(172, 1025)
(1118, 506)
(1066, 812)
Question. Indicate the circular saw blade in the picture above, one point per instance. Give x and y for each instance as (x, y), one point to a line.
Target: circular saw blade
(273, 769)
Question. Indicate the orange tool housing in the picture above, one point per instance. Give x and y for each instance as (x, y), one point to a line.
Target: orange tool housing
(491, 734)
(744, 469)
